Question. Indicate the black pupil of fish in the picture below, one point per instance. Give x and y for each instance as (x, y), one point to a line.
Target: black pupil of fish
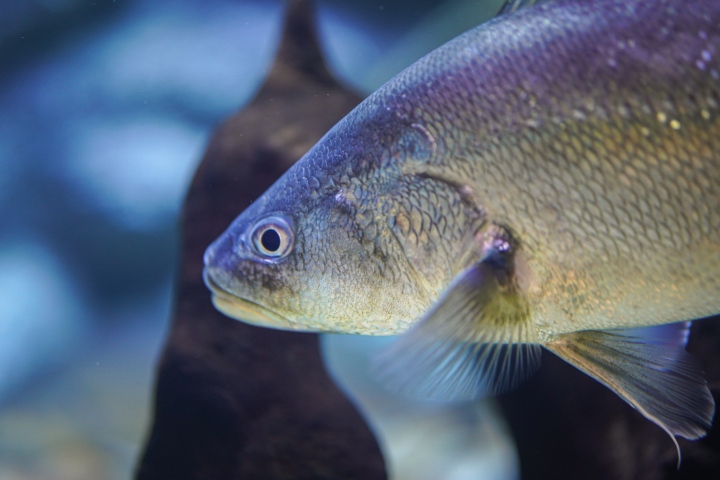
(270, 240)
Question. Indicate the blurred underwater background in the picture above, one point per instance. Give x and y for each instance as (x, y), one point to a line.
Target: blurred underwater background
(107, 108)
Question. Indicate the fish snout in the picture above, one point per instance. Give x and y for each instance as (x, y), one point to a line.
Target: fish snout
(217, 261)
(209, 256)
(221, 252)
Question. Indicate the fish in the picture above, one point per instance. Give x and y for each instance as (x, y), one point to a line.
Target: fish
(549, 179)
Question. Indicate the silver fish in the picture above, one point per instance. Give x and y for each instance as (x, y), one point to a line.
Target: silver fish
(550, 178)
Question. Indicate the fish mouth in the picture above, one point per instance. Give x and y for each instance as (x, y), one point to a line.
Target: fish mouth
(243, 309)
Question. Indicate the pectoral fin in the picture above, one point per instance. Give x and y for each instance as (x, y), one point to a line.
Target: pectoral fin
(476, 340)
(650, 369)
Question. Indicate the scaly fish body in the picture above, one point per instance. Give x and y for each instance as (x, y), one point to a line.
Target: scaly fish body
(605, 166)
(554, 171)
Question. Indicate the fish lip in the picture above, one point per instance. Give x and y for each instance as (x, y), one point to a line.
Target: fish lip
(243, 309)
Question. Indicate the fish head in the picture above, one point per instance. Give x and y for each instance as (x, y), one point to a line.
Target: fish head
(317, 253)
(244, 268)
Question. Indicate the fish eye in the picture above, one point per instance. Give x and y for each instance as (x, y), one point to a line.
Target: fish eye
(273, 237)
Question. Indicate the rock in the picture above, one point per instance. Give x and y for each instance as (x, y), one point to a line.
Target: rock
(233, 400)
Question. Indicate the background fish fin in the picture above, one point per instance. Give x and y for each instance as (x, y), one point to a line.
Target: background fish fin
(511, 5)
(650, 369)
(477, 340)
